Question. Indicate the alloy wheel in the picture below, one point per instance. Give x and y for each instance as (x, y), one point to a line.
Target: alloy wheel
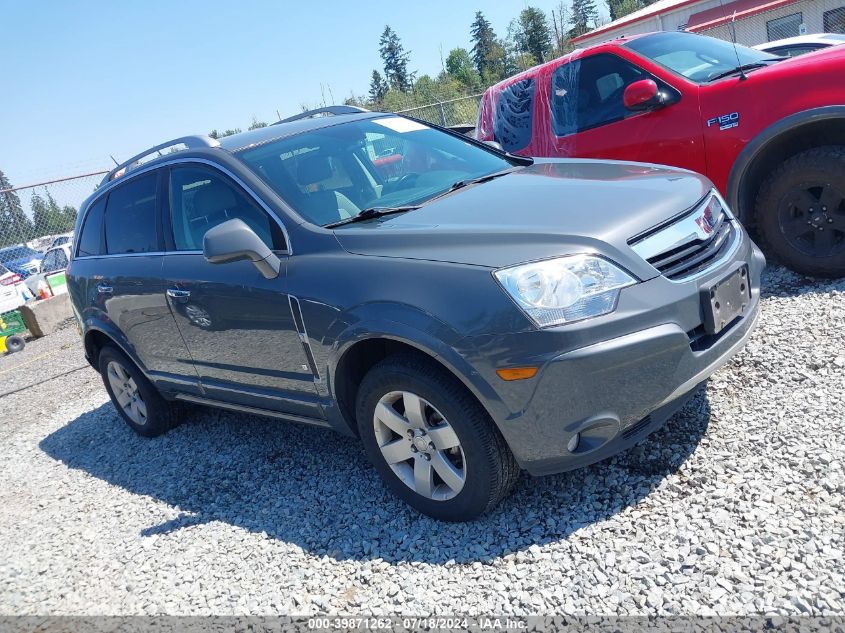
(419, 445)
(812, 219)
(126, 393)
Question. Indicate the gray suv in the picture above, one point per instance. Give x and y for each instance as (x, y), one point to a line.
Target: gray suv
(465, 312)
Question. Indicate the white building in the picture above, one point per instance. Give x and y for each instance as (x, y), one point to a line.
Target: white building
(755, 21)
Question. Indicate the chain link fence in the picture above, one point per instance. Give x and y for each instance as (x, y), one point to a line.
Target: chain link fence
(33, 216)
(459, 111)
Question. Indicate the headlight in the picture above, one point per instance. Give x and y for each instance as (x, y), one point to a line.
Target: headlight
(564, 289)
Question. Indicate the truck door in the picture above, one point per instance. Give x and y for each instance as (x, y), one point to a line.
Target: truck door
(588, 118)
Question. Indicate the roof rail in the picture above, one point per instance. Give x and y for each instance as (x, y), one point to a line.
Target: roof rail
(190, 142)
(335, 110)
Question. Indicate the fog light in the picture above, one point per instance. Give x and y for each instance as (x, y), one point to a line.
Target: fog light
(572, 446)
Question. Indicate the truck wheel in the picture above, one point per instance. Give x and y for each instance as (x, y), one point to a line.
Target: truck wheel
(430, 440)
(137, 401)
(800, 212)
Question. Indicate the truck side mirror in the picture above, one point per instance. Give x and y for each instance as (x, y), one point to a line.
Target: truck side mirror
(643, 95)
(233, 241)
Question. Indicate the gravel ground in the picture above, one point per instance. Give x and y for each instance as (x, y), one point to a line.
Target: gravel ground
(736, 506)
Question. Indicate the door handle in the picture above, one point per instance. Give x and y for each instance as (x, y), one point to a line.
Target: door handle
(104, 290)
(178, 294)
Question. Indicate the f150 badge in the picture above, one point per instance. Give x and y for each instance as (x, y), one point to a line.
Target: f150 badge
(725, 122)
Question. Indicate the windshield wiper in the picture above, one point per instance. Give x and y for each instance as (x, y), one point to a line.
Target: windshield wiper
(460, 184)
(742, 68)
(372, 212)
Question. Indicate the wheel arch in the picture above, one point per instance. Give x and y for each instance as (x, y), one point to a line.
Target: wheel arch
(363, 350)
(793, 134)
(95, 338)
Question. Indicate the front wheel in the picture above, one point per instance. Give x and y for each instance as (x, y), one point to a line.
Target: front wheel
(431, 441)
(800, 212)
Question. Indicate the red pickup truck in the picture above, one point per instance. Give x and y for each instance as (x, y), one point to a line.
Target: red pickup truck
(768, 131)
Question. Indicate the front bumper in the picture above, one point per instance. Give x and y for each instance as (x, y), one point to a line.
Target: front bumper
(615, 391)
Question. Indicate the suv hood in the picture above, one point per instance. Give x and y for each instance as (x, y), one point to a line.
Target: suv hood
(550, 208)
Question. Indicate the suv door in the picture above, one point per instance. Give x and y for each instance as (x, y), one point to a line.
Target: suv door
(589, 120)
(118, 267)
(237, 324)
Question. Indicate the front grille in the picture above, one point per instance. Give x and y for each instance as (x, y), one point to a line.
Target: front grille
(690, 244)
(695, 256)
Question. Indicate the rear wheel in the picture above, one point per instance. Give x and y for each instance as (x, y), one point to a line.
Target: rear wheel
(137, 401)
(431, 441)
(800, 212)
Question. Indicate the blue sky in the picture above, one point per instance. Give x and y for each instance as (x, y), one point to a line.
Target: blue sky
(87, 79)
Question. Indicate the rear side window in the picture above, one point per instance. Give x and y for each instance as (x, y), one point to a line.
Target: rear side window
(514, 115)
(92, 230)
(131, 217)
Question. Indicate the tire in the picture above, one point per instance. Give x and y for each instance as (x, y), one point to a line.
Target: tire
(800, 212)
(450, 414)
(14, 344)
(160, 415)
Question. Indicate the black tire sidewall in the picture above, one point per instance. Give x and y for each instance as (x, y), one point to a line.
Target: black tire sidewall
(810, 168)
(158, 409)
(475, 495)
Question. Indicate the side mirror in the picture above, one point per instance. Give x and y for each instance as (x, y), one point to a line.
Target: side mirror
(233, 241)
(494, 145)
(643, 95)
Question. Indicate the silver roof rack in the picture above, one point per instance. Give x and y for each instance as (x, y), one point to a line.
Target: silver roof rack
(334, 110)
(190, 142)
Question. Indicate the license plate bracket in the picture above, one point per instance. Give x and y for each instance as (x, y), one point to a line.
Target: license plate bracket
(725, 300)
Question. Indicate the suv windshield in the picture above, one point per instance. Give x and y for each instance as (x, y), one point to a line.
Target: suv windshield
(18, 252)
(696, 57)
(333, 173)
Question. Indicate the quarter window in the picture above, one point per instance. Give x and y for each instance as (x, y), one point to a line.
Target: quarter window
(513, 119)
(588, 92)
(131, 217)
(201, 198)
(92, 231)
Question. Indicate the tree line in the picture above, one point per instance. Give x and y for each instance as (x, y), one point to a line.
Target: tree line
(531, 38)
(46, 218)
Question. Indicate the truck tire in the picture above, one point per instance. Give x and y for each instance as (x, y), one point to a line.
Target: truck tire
(137, 401)
(431, 441)
(800, 212)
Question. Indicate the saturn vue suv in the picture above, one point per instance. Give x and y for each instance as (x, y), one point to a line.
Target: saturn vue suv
(467, 313)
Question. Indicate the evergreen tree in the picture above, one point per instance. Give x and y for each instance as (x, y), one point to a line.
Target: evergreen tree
(621, 8)
(395, 61)
(533, 36)
(256, 124)
(483, 44)
(378, 88)
(459, 65)
(584, 16)
(15, 226)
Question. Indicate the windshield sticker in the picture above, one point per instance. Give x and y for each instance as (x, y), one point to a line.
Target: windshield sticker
(726, 121)
(401, 125)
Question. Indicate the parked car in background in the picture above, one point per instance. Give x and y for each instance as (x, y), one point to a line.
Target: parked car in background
(62, 240)
(55, 260)
(472, 314)
(21, 259)
(768, 130)
(802, 44)
(10, 297)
